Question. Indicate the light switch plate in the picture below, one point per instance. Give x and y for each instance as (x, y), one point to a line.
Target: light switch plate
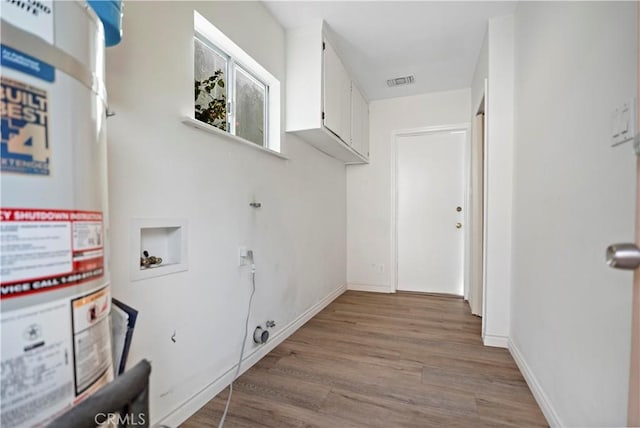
(624, 123)
(242, 255)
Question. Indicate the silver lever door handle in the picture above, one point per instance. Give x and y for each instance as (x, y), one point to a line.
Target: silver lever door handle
(623, 256)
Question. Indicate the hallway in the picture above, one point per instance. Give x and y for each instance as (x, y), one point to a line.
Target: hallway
(381, 360)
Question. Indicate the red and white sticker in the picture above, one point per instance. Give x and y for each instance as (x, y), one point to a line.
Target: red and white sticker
(92, 340)
(43, 250)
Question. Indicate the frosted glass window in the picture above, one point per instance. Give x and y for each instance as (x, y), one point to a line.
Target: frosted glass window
(233, 92)
(210, 86)
(250, 99)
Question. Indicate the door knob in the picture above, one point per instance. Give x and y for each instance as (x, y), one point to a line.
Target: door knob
(623, 256)
(458, 225)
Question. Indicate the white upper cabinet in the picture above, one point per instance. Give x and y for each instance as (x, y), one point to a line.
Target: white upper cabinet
(319, 107)
(359, 122)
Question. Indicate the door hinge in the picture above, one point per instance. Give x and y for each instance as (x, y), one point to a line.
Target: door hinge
(324, 46)
(322, 115)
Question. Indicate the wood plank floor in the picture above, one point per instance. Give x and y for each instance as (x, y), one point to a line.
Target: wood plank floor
(381, 360)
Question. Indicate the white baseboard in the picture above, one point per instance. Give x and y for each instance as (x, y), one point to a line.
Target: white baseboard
(495, 341)
(369, 287)
(191, 406)
(538, 393)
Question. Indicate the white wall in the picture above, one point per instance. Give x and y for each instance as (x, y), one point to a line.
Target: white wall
(475, 256)
(495, 63)
(499, 170)
(160, 168)
(369, 186)
(573, 195)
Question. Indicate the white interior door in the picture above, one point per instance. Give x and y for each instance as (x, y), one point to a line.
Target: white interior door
(430, 237)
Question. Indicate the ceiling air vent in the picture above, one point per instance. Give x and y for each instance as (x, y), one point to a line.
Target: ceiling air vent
(405, 80)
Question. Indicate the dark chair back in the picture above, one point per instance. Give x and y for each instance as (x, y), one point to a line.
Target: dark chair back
(125, 400)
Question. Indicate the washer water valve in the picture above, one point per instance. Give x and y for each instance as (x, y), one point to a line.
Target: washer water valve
(260, 335)
(149, 261)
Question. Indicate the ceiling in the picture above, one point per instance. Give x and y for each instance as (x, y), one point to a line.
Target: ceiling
(438, 42)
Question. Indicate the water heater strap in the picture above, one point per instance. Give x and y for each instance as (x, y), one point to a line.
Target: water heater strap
(22, 41)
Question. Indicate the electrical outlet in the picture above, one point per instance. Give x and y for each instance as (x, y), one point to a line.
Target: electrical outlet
(242, 256)
(377, 268)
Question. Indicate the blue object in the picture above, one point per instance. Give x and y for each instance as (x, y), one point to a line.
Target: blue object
(110, 13)
(26, 64)
(131, 324)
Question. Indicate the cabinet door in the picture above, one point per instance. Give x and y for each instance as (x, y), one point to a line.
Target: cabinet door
(365, 130)
(359, 122)
(337, 97)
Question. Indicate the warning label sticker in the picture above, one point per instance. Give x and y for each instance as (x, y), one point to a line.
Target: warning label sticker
(43, 250)
(54, 355)
(24, 147)
(37, 364)
(92, 339)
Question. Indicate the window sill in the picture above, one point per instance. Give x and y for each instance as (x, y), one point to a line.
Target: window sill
(189, 121)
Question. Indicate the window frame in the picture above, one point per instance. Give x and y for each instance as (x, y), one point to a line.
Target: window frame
(213, 38)
(265, 107)
(227, 71)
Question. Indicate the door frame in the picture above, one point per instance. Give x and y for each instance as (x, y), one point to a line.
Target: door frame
(483, 106)
(412, 132)
(633, 405)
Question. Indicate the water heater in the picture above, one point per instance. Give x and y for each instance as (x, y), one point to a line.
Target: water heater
(54, 248)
